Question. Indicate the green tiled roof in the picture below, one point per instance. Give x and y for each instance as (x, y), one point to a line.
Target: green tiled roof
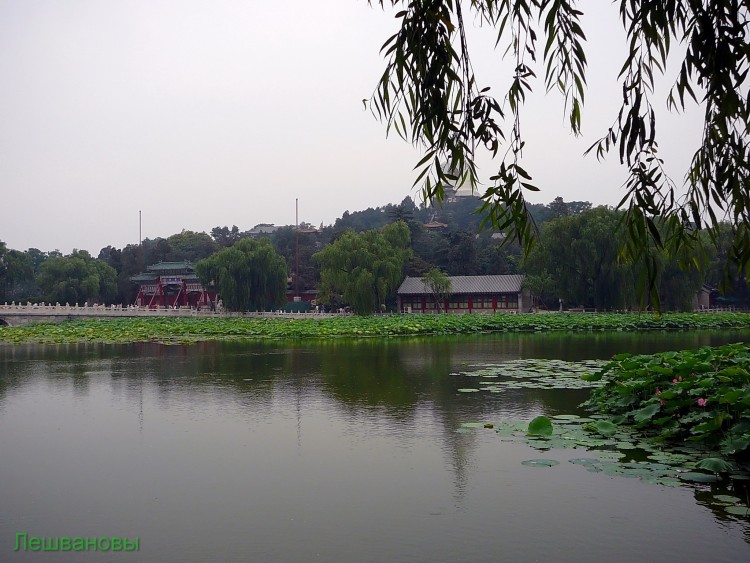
(144, 277)
(171, 267)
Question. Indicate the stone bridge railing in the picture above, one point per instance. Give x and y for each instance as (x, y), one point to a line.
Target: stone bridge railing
(16, 314)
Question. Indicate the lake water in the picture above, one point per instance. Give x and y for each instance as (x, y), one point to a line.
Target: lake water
(325, 451)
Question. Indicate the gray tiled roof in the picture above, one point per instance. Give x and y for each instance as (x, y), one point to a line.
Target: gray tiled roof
(467, 284)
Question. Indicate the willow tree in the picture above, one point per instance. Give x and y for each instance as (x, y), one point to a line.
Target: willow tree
(439, 284)
(249, 275)
(430, 95)
(364, 269)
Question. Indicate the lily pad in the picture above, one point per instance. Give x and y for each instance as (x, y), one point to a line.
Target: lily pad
(696, 477)
(728, 498)
(669, 481)
(468, 390)
(738, 510)
(604, 427)
(540, 462)
(610, 455)
(585, 461)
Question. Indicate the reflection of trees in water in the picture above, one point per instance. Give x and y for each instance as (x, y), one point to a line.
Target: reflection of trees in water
(61, 366)
(406, 380)
(704, 496)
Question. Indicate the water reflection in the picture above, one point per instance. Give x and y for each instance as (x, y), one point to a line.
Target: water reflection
(330, 450)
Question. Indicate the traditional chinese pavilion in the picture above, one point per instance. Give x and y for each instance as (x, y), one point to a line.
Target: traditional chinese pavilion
(172, 284)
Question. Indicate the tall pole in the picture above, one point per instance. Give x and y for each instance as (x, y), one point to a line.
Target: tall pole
(140, 232)
(296, 244)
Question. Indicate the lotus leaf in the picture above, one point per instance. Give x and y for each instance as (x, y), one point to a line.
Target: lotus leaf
(738, 510)
(715, 464)
(727, 498)
(699, 477)
(540, 426)
(540, 462)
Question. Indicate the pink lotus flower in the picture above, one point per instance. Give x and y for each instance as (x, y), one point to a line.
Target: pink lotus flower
(702, 402)
(658, 392)
(674, 380)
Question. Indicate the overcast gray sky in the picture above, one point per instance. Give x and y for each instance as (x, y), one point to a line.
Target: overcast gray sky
(205, 113)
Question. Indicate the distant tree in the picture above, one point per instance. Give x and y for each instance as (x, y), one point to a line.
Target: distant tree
(77, 278)
(364, 269)
(155, 251)
(496, 256)
(370, 218)
(17, 282)
(249, 275)
(731, 282)
(542, 288)
(3, 267)
(404, 211)
(462, 254)
(678, 286)
(576, 207)
(558, 208)
(189, 246)
(37, 258)
(432, 247)
(580, 253)
(3, 252)
(288, 241)
(225, 237)
(111, 256)
(439, 285)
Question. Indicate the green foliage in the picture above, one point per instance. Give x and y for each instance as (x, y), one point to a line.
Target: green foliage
(540, 426)
(77, 278)
(578, 257)
(189, 246)
(293, 246)
(169, 329)
(364, 269)
(225, 237)
(439, 284)
(249, 275)
(16, 276)
(700, 396)
(430, 96)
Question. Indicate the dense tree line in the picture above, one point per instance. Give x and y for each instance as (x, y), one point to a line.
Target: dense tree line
(576, 260)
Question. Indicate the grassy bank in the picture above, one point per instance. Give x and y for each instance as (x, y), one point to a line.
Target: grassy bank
(192, 330)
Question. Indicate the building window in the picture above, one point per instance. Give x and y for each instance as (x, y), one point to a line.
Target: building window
(459, 302)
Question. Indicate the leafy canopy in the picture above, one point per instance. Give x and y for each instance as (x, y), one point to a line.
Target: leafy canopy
(77, 278)
(439, 284)
(430, 96)
(249, 275)
(364, 269)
